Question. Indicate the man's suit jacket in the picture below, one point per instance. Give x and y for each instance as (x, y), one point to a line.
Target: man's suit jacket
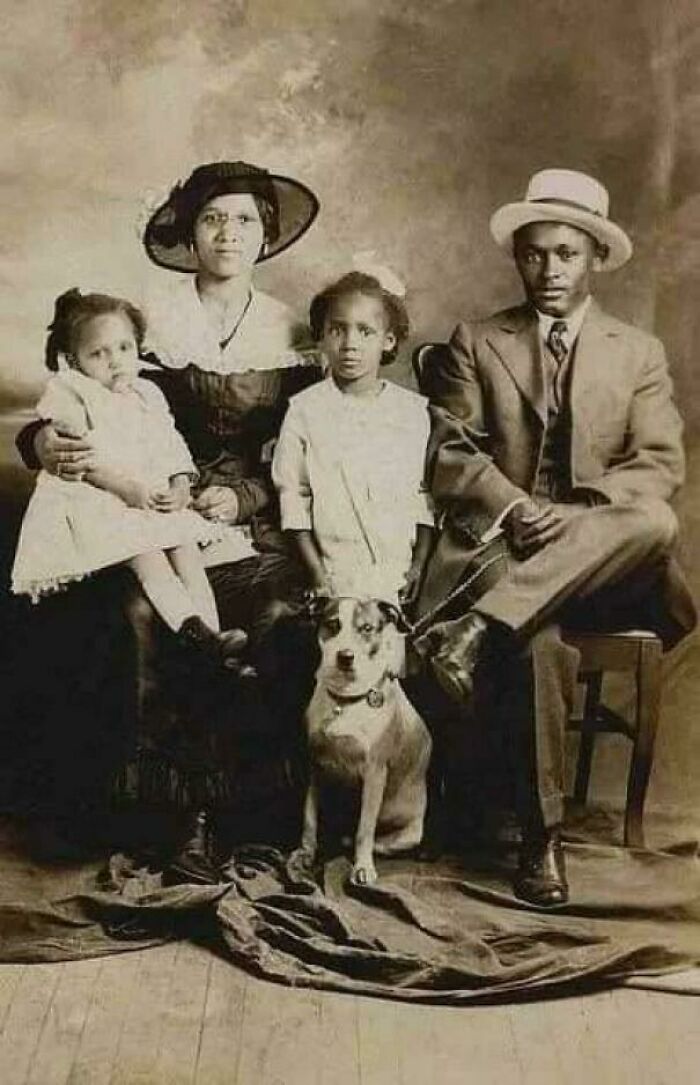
(488, 388)
(625, 430)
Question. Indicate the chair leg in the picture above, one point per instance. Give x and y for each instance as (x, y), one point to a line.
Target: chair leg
(648, 704)
(594, 684)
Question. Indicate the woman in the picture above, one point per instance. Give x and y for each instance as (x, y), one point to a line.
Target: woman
(227, 358)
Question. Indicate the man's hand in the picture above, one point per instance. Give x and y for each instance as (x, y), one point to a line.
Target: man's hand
(408, 593)
(529, 526)
(64, 452)
(422, 548)
(218, 503)
(433, 639)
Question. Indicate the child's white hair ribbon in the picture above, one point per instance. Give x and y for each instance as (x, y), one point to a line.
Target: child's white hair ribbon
(367, 263)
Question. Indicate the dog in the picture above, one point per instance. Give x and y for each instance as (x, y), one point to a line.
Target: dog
(364, 733)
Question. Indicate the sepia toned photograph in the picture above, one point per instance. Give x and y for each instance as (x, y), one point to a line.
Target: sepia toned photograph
(349, 536)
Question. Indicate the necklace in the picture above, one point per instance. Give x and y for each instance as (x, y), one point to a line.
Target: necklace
(223, 343)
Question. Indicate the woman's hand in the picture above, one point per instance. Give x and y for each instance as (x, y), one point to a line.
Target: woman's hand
(218, 503)
(64, 452)
(137, 495)
(175, 498)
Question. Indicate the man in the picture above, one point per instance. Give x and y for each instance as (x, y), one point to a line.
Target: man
(557, 435)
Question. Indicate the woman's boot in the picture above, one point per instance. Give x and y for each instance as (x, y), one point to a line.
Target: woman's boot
(194, 861)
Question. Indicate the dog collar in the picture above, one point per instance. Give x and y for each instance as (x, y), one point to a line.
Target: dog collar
(374, 697)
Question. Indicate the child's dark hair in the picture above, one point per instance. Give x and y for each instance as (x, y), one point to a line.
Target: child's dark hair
(73, 310)
(357, 282)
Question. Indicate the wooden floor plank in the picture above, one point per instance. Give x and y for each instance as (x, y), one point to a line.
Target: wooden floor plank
(25, 1020)
(183, 1015)
(279, 1039)
(338, 1047)
(680, 1020)
(220, 1046)
(137, 1052)
(420, 1057)
(474, 1043)
(378, 1042)
(178, 1014)
(538, 1056)
(10, 976)
(662, 1032)
(112, 997)
(580, 1056)
(64, 1023)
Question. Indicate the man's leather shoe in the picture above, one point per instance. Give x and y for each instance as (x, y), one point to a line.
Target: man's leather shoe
(541, 875)
(457, 657)
(193, 861)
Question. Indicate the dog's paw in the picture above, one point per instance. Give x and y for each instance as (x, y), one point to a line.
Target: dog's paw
(364, 873)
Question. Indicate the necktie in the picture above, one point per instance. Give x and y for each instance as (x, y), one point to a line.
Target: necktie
(556, 341)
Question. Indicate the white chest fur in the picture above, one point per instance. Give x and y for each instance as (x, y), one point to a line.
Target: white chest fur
(344, 736)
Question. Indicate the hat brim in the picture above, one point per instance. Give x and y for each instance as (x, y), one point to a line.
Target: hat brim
(297, 204)
(513, 216)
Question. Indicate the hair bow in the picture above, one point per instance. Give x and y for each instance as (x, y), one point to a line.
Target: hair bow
(366, 262)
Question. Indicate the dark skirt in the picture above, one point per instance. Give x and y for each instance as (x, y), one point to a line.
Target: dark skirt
(204, 736)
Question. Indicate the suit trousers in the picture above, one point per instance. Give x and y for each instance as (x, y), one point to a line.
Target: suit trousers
(604, 566)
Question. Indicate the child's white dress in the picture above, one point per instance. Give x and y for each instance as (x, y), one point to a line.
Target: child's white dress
(71, 529)
(351, 469)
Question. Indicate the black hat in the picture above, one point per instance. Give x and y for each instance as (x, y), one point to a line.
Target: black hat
(168, 234)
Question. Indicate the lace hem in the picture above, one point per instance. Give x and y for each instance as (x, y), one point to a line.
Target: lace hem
(37, 589)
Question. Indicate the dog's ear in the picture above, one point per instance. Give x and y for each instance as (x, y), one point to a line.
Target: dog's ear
(395, 615)
(315, 604)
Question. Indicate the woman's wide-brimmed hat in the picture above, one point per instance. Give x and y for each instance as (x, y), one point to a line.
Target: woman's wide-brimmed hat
(570, 197)
(292, 209)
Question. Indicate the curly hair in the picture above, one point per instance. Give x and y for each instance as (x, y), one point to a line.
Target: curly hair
(72, 310)
(357, 282)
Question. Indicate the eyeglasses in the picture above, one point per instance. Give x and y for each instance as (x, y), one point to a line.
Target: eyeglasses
(215, 220)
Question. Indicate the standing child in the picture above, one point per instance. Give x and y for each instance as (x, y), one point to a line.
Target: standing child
(131, 506)
(349, 463)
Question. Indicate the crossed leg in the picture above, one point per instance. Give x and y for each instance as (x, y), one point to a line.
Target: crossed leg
(171, 584)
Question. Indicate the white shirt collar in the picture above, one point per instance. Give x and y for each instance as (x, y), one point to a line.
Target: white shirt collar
(573, 322)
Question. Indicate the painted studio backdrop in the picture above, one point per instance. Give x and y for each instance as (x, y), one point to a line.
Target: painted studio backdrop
(412, 120)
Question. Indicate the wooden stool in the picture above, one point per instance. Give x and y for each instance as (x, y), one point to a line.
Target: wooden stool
(639, 652)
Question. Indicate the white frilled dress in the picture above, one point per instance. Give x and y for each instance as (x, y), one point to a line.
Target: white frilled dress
(351, 469)
(71, 529)
(268, 336)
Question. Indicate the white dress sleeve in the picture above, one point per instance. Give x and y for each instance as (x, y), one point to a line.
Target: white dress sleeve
(168, 443)
(62, 406)
(290, 473)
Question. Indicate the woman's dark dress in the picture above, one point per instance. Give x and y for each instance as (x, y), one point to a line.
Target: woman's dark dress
(202, 736)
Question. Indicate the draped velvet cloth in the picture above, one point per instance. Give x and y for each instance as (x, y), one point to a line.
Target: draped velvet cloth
(443, 932)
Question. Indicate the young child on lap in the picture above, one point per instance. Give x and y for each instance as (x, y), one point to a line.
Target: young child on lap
(131, 507)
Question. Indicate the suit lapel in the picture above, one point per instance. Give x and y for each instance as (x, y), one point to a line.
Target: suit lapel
(516, 342)
(592, 361)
